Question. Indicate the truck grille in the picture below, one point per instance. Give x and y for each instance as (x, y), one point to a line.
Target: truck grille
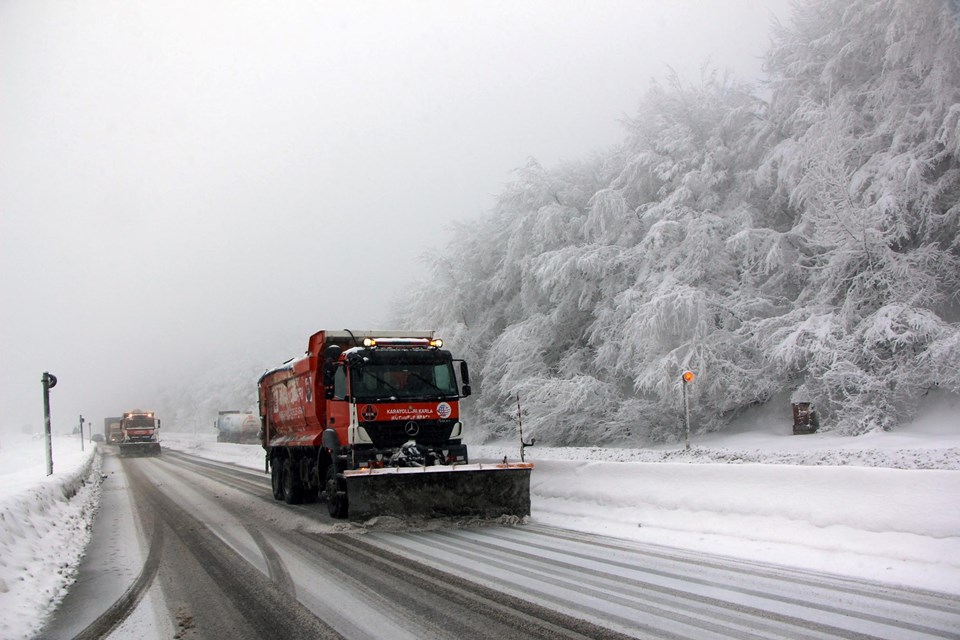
(390, 435)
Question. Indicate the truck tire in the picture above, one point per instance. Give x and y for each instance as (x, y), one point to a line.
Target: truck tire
(310, 494)
(336, 494)
(276, 479)
(291, 483)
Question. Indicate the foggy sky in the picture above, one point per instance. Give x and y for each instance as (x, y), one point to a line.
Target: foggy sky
(186, 182)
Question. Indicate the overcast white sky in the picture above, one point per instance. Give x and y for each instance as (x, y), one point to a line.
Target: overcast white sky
(182, 182)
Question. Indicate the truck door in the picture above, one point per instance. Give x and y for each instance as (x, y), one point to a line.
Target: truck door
(338, 409)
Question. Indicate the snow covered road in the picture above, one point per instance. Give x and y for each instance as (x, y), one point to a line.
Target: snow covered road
(876, 509)
(388, 578)
(648, 591)
(225, 560)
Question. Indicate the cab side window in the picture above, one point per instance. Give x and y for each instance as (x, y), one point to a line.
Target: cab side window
(340, 383)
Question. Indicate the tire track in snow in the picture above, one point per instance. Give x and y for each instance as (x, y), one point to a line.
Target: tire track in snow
(693, 600)
(506, 616)
(124, 606)
(774, 600)
(408, 593)
(241, 480)
(941, 602)
(881, 594)
(267, 610)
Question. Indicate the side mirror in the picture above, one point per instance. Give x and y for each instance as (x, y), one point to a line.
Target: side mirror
(331, 353)
(330, 357)
(465, 378)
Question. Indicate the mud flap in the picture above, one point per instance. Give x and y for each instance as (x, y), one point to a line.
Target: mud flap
(475, 490)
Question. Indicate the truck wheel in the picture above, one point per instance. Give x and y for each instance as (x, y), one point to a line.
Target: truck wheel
(276, 479)
(291, 483)
(336, 494)
(310, 494)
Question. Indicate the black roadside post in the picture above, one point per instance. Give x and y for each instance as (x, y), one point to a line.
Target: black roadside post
(81, 432)
(523, 445)
(49, 382)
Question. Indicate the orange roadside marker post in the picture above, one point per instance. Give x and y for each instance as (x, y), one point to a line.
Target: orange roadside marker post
(687, 378)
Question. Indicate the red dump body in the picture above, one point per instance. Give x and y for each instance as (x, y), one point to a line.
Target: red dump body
(292, 399)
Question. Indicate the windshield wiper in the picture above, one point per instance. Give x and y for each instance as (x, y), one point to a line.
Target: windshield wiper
(445, 392)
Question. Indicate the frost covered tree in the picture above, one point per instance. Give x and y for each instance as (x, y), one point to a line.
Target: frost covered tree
(867, 101)
(807, 244)
(685, 173)
(591, 285)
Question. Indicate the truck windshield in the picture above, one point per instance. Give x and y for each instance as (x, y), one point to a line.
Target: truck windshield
(408, 381)
(140, 423)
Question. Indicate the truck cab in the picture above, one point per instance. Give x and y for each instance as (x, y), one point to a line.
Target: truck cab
(386, 393)
(139, 434)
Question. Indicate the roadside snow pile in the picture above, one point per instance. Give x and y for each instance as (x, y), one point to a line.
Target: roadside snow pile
(925, 458)
(764, 436)
(45, 524)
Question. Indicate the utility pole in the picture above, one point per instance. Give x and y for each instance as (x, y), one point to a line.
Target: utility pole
(49, 382)
(687, 378)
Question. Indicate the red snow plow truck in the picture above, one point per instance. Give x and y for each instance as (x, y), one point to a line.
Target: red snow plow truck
(139, 434)
(369, 421)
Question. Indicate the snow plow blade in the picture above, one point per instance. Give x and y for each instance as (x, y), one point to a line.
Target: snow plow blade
(139, 449)
(477, 490)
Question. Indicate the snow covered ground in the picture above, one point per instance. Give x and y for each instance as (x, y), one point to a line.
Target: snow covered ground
(882, 507)
(44, 525)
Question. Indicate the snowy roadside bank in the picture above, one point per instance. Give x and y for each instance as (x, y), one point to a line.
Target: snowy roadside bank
(44, 526)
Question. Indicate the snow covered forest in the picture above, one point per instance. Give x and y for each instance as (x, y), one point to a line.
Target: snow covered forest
(793, 241)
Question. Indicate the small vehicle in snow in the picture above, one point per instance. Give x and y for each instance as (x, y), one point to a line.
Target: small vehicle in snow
(237, 426)
(111, 430)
